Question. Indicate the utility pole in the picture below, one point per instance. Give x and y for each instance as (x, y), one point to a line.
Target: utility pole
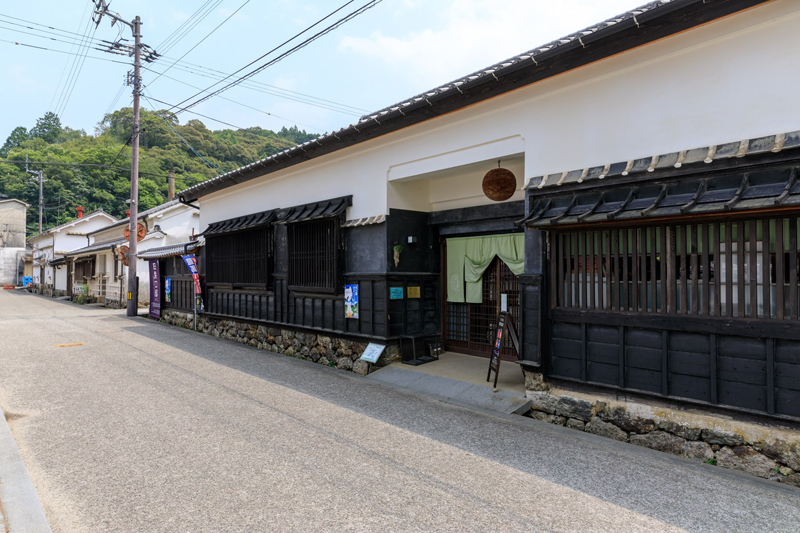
(136, 81)
(40, 175)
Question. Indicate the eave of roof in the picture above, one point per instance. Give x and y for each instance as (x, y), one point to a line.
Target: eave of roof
(143, 214)
(648, 23)
(656, 165)
(95, 248)
(171, 250)
(73, 222)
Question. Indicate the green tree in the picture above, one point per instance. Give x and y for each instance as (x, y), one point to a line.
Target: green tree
(48, 127)
(17, 137)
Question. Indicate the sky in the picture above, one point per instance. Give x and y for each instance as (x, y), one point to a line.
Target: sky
(392, 51)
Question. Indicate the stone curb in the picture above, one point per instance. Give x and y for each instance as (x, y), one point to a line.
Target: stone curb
(23, 511)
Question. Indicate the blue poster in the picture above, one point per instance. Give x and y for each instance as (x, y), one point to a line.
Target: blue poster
(168, 289)
(396, 293)
(351, 301)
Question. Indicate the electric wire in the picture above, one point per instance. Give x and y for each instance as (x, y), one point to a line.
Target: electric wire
(76, 72)
(288, 120)
(113, 104)
(201, 40)
(308, 100)
(268, 53)
(74, 38)
(190, 68)
(177, 39)
(67, 62)
(235, 102)
(207, 162)
(72, 66)
(17, 43)
(92, 165)
(193, 112)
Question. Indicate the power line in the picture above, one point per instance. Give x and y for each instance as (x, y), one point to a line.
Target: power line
(232, 101)
(251, 84)
(207, 162)
(17, 43)
(176, 36)
(201, 40)
(113, 104)
(193, 112)
(75, 70)
(95, 165)
(271, 51)
(186, 67)
(63, 70)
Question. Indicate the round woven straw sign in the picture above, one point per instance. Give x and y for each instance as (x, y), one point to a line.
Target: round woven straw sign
(499, 184)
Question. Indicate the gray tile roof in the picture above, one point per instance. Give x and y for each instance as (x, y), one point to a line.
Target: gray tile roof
(535, 55)
(541, 55)
(141, 215)
(98, 247)
(170, 250)
(645, 165)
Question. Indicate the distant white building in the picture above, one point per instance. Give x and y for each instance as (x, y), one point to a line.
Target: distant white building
(50, 272)
(97, 268)
(12, 240)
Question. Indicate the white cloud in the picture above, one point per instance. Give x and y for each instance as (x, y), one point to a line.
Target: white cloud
(471, 34)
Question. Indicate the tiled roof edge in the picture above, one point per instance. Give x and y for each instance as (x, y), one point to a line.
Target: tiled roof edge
(708, 154)
(579, 38)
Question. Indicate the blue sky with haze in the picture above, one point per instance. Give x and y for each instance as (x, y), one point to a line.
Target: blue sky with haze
(393, 51)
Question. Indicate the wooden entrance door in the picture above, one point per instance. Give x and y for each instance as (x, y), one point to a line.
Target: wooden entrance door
(470, 328)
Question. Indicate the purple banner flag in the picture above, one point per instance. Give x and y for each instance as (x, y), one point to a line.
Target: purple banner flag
(155, 289)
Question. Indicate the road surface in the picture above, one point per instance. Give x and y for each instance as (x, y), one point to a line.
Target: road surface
(136, 426)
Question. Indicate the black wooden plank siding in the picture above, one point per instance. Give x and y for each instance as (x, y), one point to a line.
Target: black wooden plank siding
(747, 372)
(316, 311)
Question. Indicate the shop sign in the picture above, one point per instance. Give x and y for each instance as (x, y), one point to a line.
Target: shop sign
(396, 293)
(413, 292)
(155, 289)
(372, 352)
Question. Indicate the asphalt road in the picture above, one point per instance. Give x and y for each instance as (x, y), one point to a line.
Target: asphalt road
(146, 427)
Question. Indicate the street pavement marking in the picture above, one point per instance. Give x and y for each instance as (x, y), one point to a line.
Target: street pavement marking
(70, 344)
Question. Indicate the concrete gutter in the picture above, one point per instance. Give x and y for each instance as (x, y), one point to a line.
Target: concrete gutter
(20, 509)
(450, 390)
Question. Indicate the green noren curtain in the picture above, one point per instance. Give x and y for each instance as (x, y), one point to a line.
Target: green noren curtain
(468, 257)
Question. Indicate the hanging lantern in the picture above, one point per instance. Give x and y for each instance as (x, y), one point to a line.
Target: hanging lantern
(499, 184)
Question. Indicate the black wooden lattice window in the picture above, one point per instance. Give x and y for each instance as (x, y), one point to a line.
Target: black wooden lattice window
(243, 259)
(313, 255)
(739, 268)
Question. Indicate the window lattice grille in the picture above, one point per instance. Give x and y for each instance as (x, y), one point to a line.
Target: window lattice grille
(735, 269)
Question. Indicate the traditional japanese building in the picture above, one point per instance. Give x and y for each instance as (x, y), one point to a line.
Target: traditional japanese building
(628, 193)
(100, 269)
(52, 272)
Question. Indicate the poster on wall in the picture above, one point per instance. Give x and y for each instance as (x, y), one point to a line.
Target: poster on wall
(155, 289)
(168, 290)
(396, 293)
(351, 301)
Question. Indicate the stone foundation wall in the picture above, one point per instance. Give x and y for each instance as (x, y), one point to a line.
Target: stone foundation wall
(765, 451)
(323, 349)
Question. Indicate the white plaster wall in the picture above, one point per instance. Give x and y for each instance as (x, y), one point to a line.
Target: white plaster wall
(67, 243)
(61, 278)
(9, 264)
(729, 80)
(178, 223)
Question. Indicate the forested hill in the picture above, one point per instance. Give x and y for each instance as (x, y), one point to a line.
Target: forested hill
(76, 183)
